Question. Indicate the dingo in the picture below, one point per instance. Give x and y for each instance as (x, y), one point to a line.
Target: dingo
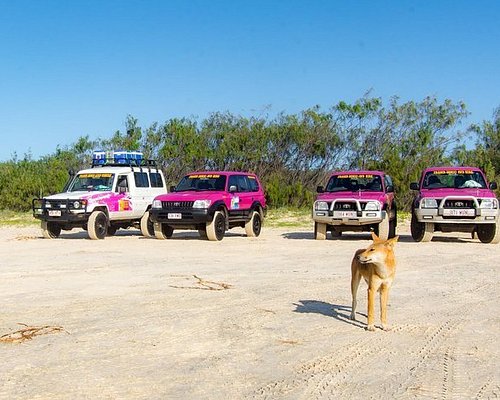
(377, 265)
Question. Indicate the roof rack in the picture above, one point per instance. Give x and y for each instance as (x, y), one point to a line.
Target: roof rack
(121, 158)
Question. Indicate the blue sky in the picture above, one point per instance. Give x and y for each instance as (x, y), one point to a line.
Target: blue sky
(74, 68)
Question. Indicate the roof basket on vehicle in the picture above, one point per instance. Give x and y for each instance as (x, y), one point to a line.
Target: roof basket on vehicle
(120, 158)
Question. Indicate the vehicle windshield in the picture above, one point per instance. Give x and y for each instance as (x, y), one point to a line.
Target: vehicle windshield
(92, 182)
(453, 179)
(354, 183)
(201, 182)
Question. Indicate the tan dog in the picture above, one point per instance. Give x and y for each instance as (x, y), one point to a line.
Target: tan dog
(377, 265)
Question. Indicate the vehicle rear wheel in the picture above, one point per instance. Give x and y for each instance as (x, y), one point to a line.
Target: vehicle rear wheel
(336, 233)
(217, 227)
(319, 231)
(254, 226)
(111, 230)
(163, 231)
(421, 231)
(50, 230)
(97, 225)
(489, 233)
(147, 226)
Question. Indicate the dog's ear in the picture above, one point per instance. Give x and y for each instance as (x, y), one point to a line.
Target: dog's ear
(375, 238)
(392, 242)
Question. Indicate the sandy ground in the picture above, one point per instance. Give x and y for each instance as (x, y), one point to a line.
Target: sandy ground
(139, 325)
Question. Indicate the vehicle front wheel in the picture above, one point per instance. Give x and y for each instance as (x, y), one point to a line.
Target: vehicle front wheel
(319, 231)
(50, 230)
(384, 228)
(147, 226)
(163, 231)
(489, 233)
(97, 225)
(217, 227)
(254, 226)
(421, 231)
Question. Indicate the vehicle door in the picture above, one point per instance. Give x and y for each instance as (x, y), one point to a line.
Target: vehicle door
(141, 194)
(121, 205)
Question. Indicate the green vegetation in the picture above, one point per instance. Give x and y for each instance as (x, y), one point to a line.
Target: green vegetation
(13, 218)
(291, 153)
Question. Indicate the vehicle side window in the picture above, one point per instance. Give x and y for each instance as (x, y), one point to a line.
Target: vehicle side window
(141, 179)
(156, 179)
(233, 181)
(121, 182)
(253, 184)
(388, 181)
(243, 185)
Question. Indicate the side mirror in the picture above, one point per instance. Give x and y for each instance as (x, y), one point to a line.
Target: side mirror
(233, 189)
(414, 186)
(171, 188)
(320, 189)
(493, 186)
(390, 189)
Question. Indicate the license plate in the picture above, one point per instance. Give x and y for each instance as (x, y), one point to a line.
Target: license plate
(459, 213)
(345, 214)
(174, 216)
(54, 213)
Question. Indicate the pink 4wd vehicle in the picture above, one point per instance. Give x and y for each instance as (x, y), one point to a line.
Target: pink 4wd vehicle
(455, 199)
(211, 202)
(355, 201)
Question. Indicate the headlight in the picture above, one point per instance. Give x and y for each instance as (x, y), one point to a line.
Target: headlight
(489, 204)
(202, 203)
(372, 206)
(76, 204)
(428, 203)
(48, 205)
(321, 206)
(156, 204)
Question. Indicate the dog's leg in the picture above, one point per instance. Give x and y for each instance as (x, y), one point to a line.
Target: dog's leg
(384, 298)
(355, 279)
(372, 291)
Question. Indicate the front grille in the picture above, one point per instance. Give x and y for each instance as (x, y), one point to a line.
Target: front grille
(55, 203)
(177, 204)
(344, 206)
(459, 204)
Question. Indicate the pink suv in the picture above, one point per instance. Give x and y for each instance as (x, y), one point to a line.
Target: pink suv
(211, 202)
(455, 199)
(355, 201)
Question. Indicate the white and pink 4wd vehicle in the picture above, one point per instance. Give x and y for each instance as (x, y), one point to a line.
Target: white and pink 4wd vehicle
(455, 199)
(355, 201)
(116, 192)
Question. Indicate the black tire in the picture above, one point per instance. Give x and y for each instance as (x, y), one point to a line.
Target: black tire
(147, 226)
(489, 233)
(254, 225)
(163, 231)
(319, 231)
(97, 225)
(217, 227)
(50, 230)
(421, 231)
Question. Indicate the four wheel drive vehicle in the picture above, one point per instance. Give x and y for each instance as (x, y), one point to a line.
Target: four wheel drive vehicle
(356, 201)
(211, 202)
(116, 192)
(455, 199)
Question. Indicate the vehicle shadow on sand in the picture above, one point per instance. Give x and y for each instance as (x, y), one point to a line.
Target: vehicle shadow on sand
(337, 311)
(344, 238)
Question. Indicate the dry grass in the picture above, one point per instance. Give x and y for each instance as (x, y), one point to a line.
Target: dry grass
(29, 332)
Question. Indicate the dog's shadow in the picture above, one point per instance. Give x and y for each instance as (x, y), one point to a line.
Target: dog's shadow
(337, 311)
